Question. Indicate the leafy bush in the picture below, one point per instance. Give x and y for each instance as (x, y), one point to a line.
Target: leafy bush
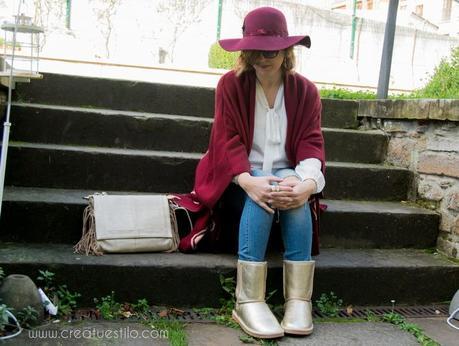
(220, 58)
(444, 82)
(109, 308)
(65, 300)
(4, 319)
(329, 304)
(27, 317)
(345, 94)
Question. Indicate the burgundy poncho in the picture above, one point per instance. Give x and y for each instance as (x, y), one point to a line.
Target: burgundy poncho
(231, 141)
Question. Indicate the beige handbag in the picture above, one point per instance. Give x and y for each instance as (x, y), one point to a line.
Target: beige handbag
(128, 223)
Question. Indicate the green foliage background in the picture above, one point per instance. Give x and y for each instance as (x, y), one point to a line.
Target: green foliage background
(444, 82)
(220, 58)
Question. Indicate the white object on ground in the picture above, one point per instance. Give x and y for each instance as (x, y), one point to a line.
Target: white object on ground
(17, 324)
(50, 307)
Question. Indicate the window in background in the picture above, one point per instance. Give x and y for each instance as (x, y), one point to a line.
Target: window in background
(419, 10)
(446, 11)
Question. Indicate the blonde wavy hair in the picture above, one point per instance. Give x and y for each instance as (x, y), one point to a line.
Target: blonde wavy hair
(247, 58)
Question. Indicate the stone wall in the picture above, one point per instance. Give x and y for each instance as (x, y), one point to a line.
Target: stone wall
(428, 147)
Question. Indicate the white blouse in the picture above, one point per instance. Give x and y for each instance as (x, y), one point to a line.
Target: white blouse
(270, 132)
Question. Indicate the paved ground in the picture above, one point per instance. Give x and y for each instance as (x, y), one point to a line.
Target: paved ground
(202, 334)
(437, 329)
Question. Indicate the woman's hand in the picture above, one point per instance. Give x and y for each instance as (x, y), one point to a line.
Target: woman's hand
(260, 189)
(301, 191)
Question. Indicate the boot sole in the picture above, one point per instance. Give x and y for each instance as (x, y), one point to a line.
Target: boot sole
(298, 331)
(251, 332)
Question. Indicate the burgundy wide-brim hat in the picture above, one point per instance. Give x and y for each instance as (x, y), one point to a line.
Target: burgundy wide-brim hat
(264, 28)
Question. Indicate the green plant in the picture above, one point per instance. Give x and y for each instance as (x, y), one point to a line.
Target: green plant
(329, 304)
(66, 300)
(224, 313)
(412, 328)
(393, 318)
(175, 330)
(9, 44)
(246, 339)
(142, 307)
(108, 307)
(345, 94)
(229, 286)
(444, 83)
(4, 321)
(371, 316)
(47, 278)
(278, 310)
(226, 320)
(204, 311)
(220, 58)
(27, 317)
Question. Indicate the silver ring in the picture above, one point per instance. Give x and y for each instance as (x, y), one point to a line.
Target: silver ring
(273, 188)
(277, 188)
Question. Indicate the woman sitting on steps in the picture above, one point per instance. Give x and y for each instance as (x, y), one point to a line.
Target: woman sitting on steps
(266, 138)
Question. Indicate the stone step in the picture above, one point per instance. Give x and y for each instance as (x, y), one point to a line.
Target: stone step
(35, 215)
(137, 130)
(359, 277)
(78, 167)
(55, 89)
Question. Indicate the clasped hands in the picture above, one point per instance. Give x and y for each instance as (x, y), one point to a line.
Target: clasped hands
(288, 193)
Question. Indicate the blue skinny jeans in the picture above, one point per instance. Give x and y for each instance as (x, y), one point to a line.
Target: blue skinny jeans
(255, 227)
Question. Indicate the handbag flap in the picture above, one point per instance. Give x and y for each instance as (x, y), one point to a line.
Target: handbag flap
(131, 216)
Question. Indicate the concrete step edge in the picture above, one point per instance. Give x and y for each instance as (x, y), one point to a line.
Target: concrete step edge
(107, 150)
(68, 196)
(359, 277)
(105, 111)
(329, 258)
(174, 154)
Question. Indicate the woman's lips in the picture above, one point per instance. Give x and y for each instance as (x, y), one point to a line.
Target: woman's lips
(263, 66)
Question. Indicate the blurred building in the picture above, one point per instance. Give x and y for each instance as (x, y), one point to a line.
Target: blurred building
(440, 16)
(178, 34)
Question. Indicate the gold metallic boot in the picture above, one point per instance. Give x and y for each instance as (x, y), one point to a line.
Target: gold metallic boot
(298, 282)
(251, 312)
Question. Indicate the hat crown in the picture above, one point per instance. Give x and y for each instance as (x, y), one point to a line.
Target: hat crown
(265, 21)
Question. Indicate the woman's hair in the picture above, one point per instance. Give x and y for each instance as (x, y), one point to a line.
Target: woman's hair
(248, 57)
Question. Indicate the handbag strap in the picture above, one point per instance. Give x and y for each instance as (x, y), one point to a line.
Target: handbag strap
(174, 226)
(174, 206)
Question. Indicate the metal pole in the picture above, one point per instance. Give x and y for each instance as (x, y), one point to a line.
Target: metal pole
(219, 18)
(68, 14)
(7, 124)
(354, 24)
(386, 60)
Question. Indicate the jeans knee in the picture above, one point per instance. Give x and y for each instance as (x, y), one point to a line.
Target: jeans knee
(250, 257)
(297, 256)
(300, 214)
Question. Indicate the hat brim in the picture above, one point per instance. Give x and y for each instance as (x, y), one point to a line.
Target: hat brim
(263, 42)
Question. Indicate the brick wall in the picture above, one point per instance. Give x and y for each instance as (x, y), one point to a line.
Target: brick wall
(428, 147)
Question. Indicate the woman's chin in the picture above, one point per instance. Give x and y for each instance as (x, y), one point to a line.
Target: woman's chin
(266, 71)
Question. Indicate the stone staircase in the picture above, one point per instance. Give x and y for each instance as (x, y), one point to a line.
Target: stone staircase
(72, 136)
